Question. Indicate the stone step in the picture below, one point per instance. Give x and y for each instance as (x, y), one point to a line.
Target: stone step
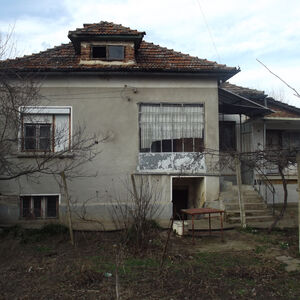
(248, 205)
(264, 218)
(252, 212)
(246, 200)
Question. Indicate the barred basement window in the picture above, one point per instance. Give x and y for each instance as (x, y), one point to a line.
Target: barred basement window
(171, 127)
(35, 207)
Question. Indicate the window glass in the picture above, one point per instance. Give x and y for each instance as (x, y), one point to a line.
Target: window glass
(37, 206)
(116, 52)
(51, 206)
(25, 206)
(44, 138)
(171, 127)
(227, 136)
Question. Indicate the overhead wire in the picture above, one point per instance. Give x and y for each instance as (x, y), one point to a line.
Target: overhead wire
(209, 31)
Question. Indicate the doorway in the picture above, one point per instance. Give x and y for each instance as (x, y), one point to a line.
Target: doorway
(180, 201)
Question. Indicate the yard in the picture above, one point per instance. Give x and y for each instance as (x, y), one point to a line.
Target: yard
(42, 264)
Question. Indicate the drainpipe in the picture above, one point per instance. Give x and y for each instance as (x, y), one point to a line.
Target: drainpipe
(240, 133)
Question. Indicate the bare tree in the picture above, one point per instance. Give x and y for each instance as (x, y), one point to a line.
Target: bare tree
(135, 211)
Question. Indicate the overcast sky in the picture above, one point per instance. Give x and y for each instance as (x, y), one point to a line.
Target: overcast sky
(232, 32)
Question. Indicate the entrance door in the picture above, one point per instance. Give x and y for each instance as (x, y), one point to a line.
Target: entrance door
(180, 201)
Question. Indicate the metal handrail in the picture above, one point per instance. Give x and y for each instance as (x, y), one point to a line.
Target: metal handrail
(270, 187)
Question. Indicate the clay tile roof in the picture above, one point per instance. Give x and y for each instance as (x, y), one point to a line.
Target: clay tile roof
(251, 94)
(280, 108)
(105, 28)
(148, 58)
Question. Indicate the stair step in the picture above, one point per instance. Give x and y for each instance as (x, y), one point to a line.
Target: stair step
(248, 206)
(253, 212)
(250, 219)
(246, 200)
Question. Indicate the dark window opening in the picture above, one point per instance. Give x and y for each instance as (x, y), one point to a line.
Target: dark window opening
(227, 136)
(52, 206)
(39, 207)
(25, 204)
(180, 201)
(108, 52)
(99, 52)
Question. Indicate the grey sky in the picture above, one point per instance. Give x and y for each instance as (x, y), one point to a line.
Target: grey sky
(233, 32)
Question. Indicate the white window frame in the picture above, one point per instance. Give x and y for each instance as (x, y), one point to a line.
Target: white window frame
(48, 113)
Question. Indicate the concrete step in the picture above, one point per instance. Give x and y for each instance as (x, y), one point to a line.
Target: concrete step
(252, 212)
(246, 200)
(264, 218)
(248, 205)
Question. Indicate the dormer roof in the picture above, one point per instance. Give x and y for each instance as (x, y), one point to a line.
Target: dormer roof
(104, 31)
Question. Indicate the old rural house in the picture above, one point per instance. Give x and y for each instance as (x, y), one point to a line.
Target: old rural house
(160, 108)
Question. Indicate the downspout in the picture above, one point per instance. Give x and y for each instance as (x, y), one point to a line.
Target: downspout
(240, 133)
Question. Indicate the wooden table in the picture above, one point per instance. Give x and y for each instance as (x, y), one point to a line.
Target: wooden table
(202, 211)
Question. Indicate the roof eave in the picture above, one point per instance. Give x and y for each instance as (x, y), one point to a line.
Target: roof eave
(77, 38)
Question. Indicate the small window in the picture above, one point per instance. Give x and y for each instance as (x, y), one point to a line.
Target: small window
(39, 207)
(108, 52)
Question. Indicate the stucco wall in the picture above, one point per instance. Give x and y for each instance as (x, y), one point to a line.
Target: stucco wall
(109, 106)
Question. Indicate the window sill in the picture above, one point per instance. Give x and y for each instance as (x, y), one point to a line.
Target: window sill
(43, 155)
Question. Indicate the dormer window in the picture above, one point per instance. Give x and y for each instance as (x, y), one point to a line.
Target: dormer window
(108, 52)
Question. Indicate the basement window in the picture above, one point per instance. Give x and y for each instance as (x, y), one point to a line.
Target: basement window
(108, 52)
(39, 207)
(171, 127)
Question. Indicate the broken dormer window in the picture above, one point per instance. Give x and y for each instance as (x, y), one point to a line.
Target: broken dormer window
(108, 52)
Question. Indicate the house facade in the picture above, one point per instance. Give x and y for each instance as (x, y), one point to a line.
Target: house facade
(155, 109)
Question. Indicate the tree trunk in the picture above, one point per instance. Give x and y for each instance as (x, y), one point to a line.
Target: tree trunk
(285, 197)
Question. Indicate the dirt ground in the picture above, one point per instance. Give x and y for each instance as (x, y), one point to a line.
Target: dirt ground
(41, 265)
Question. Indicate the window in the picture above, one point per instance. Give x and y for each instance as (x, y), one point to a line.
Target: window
(227, 136)
(171, 127)
(45, 129)
(280, 139)
(39, 206)
(108, 52)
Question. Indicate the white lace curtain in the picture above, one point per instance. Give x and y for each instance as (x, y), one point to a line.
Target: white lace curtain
(166, 122)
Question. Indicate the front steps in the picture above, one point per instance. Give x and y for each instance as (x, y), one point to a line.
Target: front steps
(255, 208)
